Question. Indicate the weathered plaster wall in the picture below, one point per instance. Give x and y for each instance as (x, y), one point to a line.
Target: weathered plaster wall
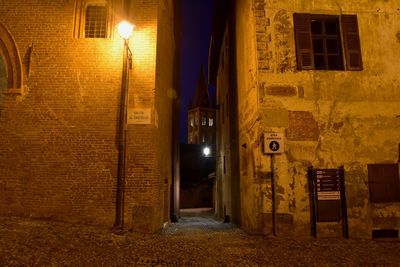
(330, 118)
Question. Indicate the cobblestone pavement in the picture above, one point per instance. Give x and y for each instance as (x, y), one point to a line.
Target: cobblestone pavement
(194, 241)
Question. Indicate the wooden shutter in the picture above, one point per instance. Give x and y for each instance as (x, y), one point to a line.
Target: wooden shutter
(304, 50)
(351, 40)
(384, 183)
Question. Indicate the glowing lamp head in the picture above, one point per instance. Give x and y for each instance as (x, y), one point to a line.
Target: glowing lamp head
(125, 29)
(206, 151)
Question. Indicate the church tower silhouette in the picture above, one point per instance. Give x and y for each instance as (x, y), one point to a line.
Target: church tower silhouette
(201, 115)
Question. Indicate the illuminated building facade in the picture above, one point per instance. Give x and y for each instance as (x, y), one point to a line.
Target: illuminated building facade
(60, 78)
(323, 77)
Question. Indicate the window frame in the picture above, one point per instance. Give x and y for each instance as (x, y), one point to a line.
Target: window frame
(12, 62)
(80, 18)
(324, 36)
(349, 40)
(210, 122)
(5, 63)
(99, 31)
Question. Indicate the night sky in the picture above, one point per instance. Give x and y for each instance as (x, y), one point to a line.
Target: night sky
(196, 28)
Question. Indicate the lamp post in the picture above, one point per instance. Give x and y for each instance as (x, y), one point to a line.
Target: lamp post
(125, 30)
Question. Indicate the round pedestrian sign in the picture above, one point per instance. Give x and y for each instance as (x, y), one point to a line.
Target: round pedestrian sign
(274, 146)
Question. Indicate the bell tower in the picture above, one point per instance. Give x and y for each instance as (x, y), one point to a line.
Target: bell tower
(201, 115)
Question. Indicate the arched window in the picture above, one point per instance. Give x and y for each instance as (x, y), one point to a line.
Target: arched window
(3, 74)
(10, 64)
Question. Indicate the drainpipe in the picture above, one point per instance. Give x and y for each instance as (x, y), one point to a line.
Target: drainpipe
(119, 211)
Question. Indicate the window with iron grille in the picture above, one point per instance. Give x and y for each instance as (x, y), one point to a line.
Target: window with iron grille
(384, 182)
(96, 21)
(319, 45)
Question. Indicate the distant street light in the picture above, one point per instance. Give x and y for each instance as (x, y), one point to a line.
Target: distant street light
(125, 30)
(206, 151)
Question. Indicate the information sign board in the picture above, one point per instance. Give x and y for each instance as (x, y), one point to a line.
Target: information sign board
(274, 143)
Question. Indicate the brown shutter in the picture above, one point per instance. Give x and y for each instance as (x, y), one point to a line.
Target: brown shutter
(384, 183)
(351, 40)
(304, 50)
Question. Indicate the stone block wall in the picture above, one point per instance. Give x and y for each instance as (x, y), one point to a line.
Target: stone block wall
(330, 118)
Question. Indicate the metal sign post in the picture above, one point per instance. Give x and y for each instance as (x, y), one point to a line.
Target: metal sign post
(273, 192)
(345, 224)
(273, 144)
(313, 209)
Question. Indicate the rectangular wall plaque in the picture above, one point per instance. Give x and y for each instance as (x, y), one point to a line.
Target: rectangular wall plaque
(139, 116)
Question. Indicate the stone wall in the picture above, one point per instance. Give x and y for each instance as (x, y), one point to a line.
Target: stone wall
(330, 118)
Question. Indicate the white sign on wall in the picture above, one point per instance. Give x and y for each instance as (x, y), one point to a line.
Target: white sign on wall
(274, 143)
(139, 116)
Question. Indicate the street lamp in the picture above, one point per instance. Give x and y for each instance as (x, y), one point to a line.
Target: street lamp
(206, 151)
(125, 30)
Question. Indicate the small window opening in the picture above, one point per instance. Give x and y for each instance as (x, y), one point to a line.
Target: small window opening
(96, 22)
(326, 44)
(385, 233)
(203, 121)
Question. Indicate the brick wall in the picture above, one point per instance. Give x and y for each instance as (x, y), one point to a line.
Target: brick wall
(58, 149)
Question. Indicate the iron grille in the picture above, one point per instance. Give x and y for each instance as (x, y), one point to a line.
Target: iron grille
(96, 22)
